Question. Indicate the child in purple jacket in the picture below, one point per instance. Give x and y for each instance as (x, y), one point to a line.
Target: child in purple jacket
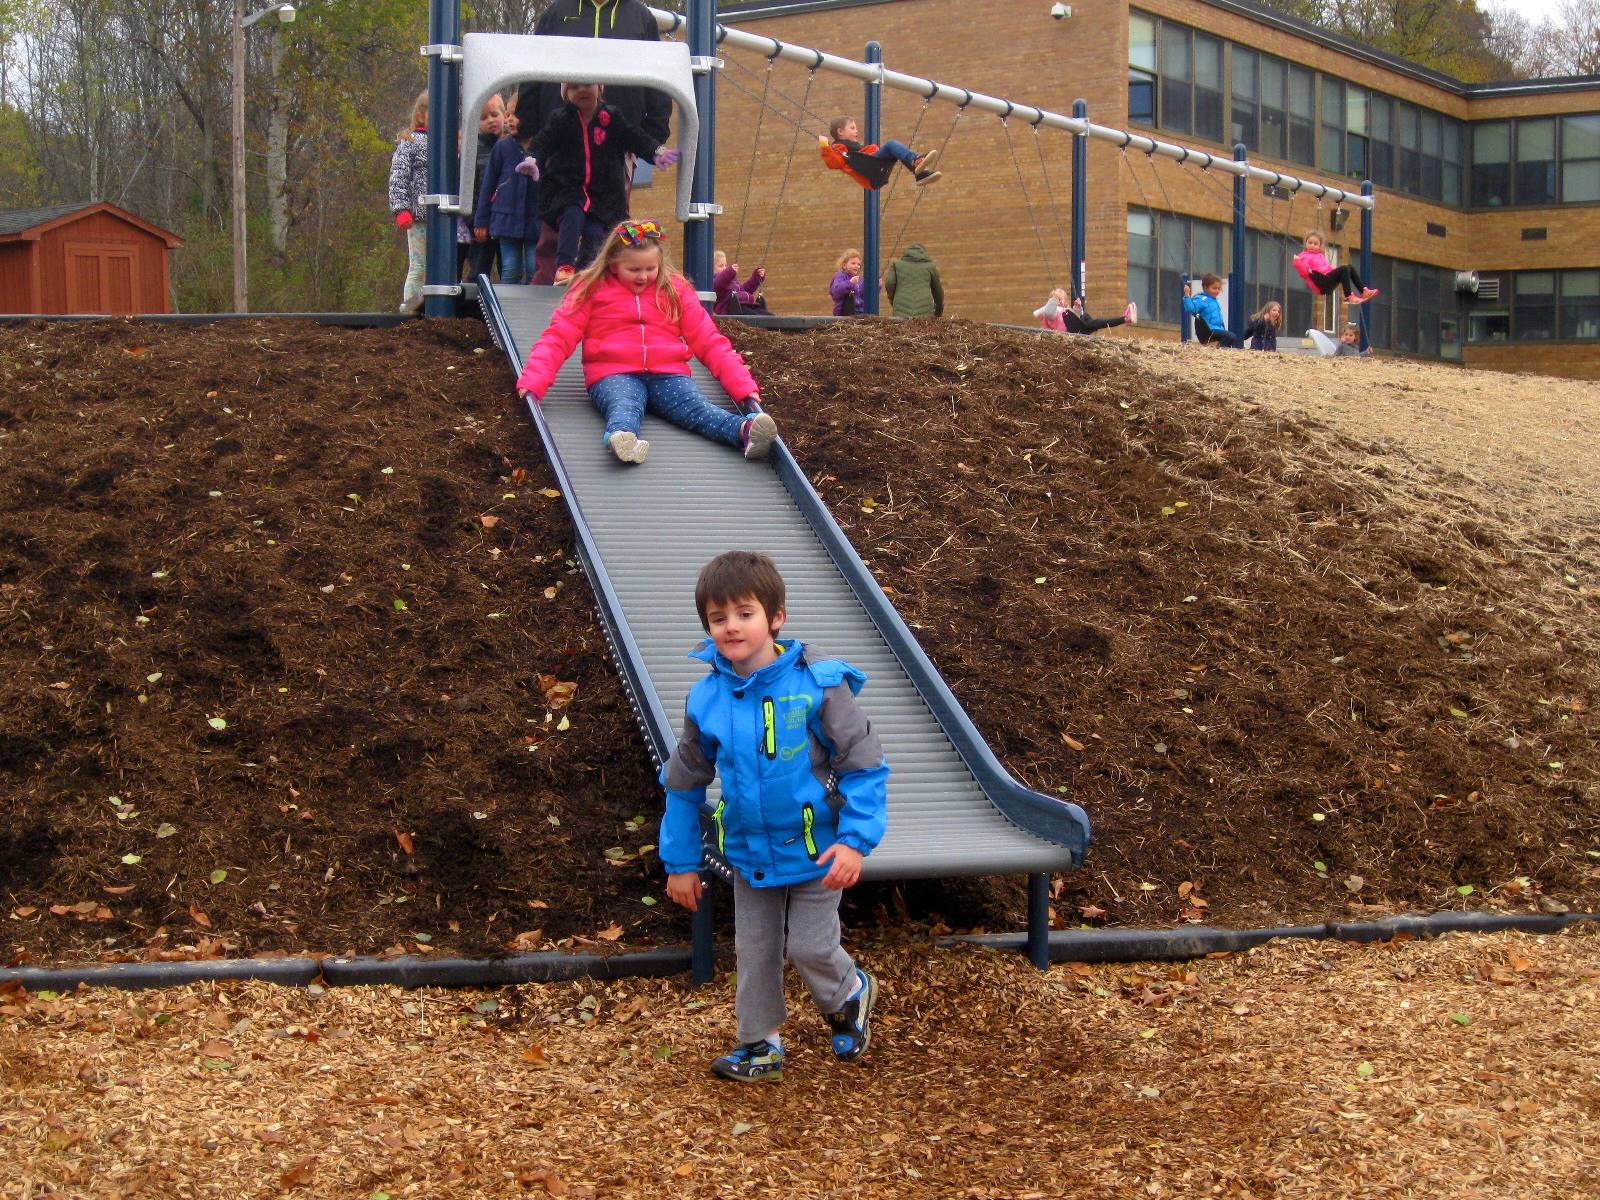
(733, 296)
(848, 290)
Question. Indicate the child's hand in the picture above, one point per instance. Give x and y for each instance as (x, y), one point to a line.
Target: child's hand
(665, 158)
(761, 272)
(752, 398)
(526, 395)
(684, 889)
(735, 267)
(845, 867)
(480, 235)
(530, 168)
(822, 141)
(404, 219)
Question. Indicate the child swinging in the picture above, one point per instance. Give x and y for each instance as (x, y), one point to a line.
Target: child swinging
(1321, 276)
(871, 166)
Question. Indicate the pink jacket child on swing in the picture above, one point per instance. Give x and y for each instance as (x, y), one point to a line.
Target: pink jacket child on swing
(1321, 276)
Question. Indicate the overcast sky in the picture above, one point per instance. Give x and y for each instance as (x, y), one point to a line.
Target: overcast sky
(1536, 11)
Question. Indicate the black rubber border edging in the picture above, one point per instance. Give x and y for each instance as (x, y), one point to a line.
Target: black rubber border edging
(1089, 946)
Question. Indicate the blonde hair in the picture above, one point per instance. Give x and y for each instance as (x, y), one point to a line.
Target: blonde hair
(419, 114)
(846, 257)
(1268, 307)
(585, 281)
(1316, 233)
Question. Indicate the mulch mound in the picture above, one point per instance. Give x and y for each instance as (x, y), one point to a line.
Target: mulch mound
(295, 655)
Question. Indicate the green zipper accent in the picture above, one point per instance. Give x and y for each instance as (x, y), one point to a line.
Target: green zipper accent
(808, 817)
(769, 724)
(722, 832)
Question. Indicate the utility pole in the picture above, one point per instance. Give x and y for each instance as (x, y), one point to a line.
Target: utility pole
(241, 284)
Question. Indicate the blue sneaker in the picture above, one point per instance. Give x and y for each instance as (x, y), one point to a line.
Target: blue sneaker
(750, 1063)
(852, 1024)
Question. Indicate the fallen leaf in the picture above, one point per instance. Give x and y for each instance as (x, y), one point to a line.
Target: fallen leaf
(610, 933)
(199, 917)
(406, 842)
(1091, 912)
(1072, 743)
(298, 1175)
(519, 475)
(488, 521)
(741, 1128)
(534, 1056)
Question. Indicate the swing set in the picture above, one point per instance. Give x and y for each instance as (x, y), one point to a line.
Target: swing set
(705, 35)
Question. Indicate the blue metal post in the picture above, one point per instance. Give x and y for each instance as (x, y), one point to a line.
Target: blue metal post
(1366, 257)
(1236, 284)
(699, 237)
(1039, 920)
(1080, 204)
(871, 215)
(444, 168)
(1183, 318)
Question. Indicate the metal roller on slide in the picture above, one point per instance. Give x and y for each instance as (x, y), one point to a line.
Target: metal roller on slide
(645, 531)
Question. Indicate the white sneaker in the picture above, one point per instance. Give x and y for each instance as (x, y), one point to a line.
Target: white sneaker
(628, 447)
(758, 434)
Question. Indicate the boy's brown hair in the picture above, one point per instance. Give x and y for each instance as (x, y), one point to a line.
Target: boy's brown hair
(733, 576)
(1208, 279)
(836, 127)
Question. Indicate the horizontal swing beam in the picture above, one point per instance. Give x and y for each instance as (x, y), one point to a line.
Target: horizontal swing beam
(930, 89)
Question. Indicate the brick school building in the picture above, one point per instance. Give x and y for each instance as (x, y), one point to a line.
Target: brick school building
(1501, 179)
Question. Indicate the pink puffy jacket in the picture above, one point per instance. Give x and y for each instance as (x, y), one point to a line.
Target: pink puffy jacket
(1308, 261)
(625, 333)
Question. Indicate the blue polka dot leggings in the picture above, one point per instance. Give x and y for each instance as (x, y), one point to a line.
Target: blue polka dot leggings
(624, 399)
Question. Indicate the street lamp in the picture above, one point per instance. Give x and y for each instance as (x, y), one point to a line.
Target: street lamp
(285, 14)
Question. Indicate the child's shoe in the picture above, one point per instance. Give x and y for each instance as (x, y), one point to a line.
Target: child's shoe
(751, 1063)
(852, 1024)
(1130, 315)
(757, 435)
(628, 447)
(925, 163)
(1354, 300)
(1368, 293)
(926, 177)
(564, 273)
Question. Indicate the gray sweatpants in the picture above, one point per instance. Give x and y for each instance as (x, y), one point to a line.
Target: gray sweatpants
(802, 921)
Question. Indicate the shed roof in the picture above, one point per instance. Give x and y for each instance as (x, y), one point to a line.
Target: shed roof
(26, 224)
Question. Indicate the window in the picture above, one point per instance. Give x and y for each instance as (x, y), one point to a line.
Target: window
(1491, 164)
(1355, 137)
(1580, 304)
(1452, 162)
(1208, 113)
(1245, 127)
(1380, 149)
(1380, 312)
(1490, 321)
(1408, 171)
(1330, 149)
(1533, 308)
(1162, 248)
(1580, 159)
(1432, 155)
(1405, 307)
(1535, 172)
(1177, 89)
(1274, 119)
(1302, 115)
(1141, 69)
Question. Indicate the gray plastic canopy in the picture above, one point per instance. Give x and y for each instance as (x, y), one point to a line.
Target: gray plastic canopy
(492, 62)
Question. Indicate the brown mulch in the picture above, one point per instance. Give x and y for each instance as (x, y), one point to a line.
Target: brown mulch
(1463, 1068)
(298, 600)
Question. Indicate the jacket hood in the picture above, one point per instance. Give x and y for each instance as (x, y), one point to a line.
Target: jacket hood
(915, 253)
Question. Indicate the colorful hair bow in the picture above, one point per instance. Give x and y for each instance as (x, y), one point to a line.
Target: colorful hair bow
(637, 233)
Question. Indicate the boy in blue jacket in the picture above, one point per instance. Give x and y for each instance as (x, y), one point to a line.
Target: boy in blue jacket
(804, 800)
(1209, 323)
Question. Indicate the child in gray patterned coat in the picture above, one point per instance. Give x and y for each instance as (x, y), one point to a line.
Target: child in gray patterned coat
(408, 180)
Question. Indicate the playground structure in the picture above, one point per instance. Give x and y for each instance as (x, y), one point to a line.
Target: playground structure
(705, 35)
(953, 807)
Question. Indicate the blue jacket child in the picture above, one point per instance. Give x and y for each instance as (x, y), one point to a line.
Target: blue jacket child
(508, 201)
(801, 768)
(1209, 323)
(1205, 306)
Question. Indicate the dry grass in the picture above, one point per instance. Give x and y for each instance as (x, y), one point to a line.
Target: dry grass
(1464, 1067)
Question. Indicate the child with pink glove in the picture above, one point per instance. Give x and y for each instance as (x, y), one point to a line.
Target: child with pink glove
(408, 180)
(580, 158)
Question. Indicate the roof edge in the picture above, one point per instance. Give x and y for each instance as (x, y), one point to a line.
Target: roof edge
(34, 232)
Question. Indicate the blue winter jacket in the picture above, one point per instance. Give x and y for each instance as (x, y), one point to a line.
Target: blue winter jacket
(1205, 306)
(508, 203)
(778, 738)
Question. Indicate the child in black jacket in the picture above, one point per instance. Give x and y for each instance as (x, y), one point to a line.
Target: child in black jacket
(580, 156)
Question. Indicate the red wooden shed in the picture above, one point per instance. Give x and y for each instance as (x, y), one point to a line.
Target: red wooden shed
(83, 258)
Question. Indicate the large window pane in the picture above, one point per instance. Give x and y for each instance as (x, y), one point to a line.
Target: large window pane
(1176, 89)
(1491, 164)
(1274, 119)
(1142, 260)
(1408, 170)
(1243, 128)
(1142, 42)
(1533, 310)
(1432, 156)
(1535, 171)
(1580, 304)
(1452, 162)
(1380, 151)
(1208, 87)
(1580, 158)
(1302, 123)
(1405, 307)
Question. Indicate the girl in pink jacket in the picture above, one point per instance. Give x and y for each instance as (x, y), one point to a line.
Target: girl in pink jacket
(639, 320)
(1321, 277)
